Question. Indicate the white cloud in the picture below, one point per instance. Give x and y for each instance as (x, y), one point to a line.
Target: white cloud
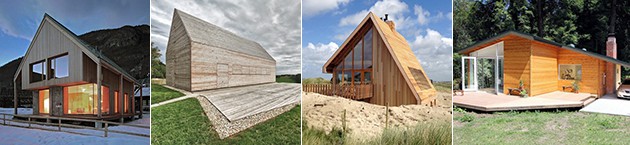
(314, 7)
(435, 54)
(315, 56)
(422, 15)
(275, 24)
(394, 8)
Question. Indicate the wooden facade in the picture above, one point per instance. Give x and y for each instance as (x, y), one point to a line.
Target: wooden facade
(536, 61)
(202, 56)
(85, 67)
(376, 55)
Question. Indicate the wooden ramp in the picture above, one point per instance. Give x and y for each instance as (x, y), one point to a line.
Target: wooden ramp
(484, 101)
(240, 102)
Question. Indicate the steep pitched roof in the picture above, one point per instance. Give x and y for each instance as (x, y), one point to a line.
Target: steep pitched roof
(495, 38)
(398, 47)
(205, 33)
(89, 50)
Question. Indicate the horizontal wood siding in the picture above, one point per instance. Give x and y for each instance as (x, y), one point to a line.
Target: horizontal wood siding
(591, 76)
(242, 69)
(544, 68)
(517, 55)
(178, 56)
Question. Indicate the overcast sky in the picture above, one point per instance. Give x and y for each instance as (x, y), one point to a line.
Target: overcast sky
(19, 19)
(427, 26)
(280, 19)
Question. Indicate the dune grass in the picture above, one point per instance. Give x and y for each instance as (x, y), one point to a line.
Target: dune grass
(438, 134)
(184, 122)
(160, 93)
(539, 127)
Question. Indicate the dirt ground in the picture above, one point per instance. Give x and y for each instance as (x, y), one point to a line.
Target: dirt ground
(368, 120)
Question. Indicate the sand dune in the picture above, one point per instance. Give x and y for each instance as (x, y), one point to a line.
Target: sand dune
(368, 120)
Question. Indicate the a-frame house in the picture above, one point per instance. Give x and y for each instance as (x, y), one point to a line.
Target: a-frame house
(375, 64)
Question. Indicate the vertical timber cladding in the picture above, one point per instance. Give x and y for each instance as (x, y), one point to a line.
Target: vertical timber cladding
(517, 54)
(390, 86)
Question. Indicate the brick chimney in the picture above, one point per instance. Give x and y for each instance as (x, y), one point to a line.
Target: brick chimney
(613, 71)
(391, 25)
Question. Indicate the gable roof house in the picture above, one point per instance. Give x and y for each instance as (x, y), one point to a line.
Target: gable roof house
(543, 66)
(203, 56)
(376, 64)
(69, 78)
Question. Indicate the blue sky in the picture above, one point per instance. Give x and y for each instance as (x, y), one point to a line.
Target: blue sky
(426, 24)
(19, 19)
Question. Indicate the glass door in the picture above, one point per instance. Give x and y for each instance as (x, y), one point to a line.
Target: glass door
(499, 75)
(469, 73)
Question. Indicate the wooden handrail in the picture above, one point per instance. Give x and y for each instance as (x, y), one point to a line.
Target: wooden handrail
(59, 124)
(355, 92)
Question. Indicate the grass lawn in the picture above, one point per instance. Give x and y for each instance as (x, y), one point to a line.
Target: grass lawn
(185, 122)
(439, 134)
(284, 80)
(539, 127)
(160, 93)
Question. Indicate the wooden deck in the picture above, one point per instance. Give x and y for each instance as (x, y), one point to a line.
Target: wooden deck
(484, 101)
(239, 102)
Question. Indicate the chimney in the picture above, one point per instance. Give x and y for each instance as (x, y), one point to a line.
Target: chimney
(390, 23)
(613, 74)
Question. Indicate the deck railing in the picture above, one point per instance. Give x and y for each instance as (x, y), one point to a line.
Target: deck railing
(31, 120)
(355, 92)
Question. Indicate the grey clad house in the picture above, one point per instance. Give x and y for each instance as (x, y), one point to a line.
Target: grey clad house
(203, 56)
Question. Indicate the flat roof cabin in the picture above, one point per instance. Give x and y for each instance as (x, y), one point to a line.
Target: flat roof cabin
(202, 56)
(69, 78)
(543, 66)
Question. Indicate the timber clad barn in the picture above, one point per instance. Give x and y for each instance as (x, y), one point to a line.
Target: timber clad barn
(542, 65)
(70, 79)
(202, 56)
(376, 65)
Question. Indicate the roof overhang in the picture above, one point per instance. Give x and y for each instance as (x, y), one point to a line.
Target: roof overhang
(501, 36)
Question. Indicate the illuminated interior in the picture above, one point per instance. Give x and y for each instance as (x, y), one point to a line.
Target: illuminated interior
(44, 101)
(116, 101)
(83, 99)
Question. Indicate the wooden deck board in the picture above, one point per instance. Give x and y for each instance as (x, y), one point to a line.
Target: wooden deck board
(491, 102)
(240, 102)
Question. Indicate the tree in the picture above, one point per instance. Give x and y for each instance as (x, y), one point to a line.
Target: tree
(158, 69)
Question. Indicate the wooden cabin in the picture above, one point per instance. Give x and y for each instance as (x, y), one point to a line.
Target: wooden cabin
(202, 56)
(68, 78)
(543, 66)
(376, 65)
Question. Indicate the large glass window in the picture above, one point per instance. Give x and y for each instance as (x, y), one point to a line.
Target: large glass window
(116, 101)
(44, 101)
(356, 67)
(367, 50)
(59, 67)
(358, 54)
(38, 72)
(83, 99)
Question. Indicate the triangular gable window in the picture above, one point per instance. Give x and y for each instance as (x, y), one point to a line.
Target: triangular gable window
(356, 67)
